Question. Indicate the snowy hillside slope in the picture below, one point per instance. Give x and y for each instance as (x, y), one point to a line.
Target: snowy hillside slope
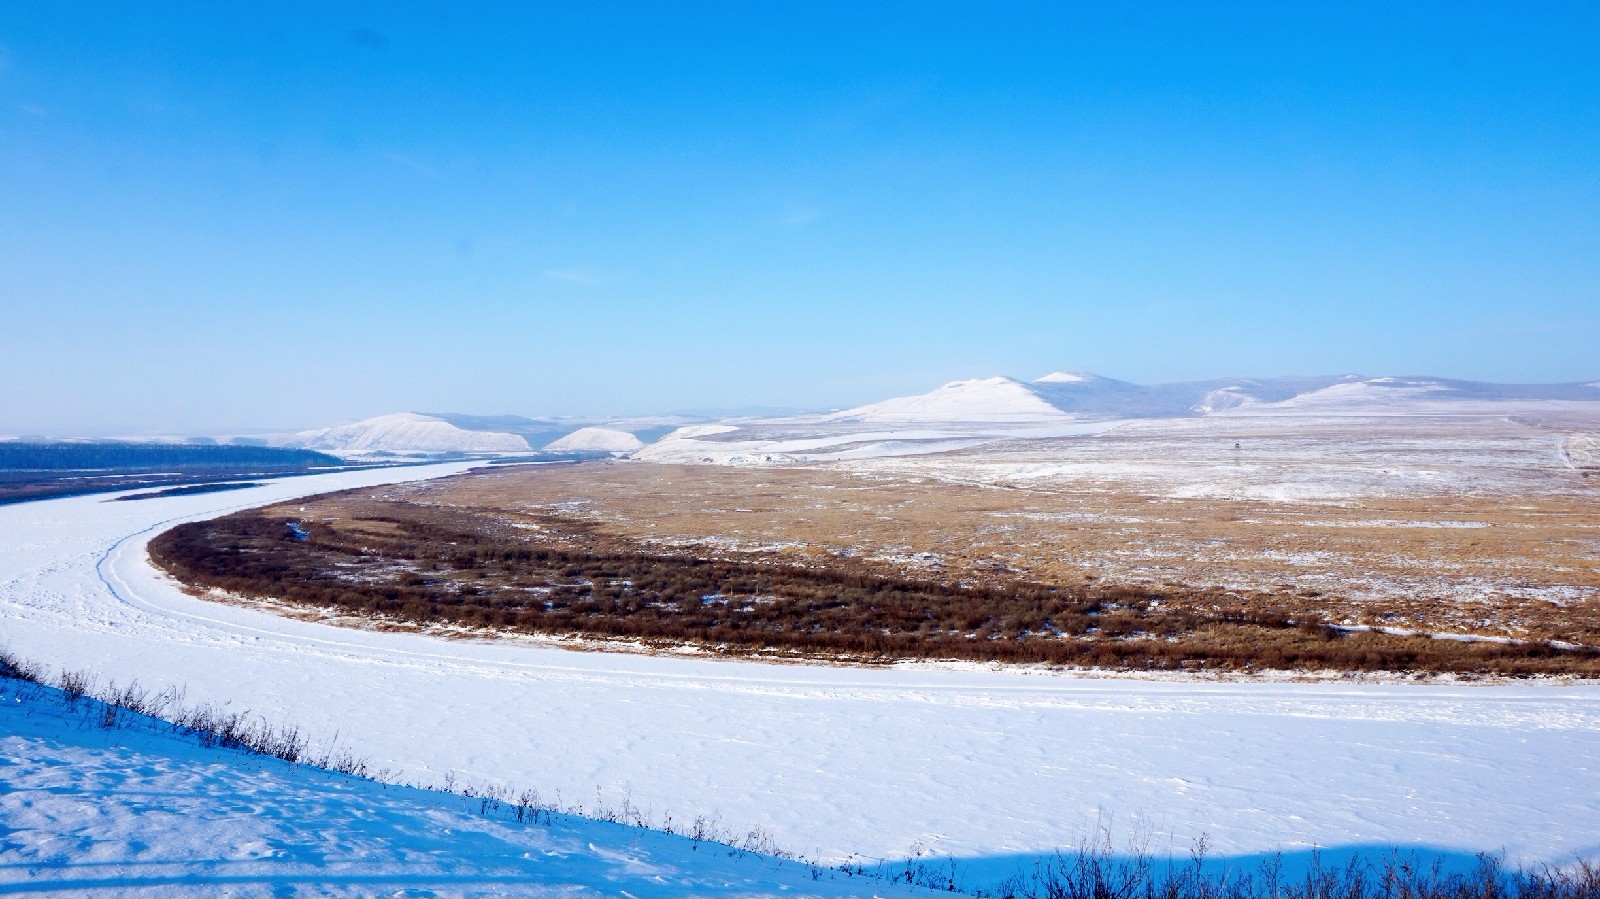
(1085, 393)
(995, 766)
(80, 814)
(403, 432)
(608, 440)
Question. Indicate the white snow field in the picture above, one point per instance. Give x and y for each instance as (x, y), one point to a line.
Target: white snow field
(139, 810)
(993, 767)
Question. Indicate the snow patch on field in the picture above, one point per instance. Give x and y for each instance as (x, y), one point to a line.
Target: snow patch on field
(1394, 523)
(1583, 449)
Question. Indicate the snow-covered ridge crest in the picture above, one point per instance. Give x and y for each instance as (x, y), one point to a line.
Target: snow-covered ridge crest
(403, 432)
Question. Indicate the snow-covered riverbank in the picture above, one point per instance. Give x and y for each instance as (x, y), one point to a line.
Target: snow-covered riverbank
(140, 811)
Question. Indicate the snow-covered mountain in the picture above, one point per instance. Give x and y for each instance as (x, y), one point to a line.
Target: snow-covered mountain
(594, 439)
(403, 433)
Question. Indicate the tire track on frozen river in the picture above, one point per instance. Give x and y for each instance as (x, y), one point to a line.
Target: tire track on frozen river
(841, 760)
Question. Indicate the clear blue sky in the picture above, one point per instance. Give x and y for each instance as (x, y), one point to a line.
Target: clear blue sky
(217, 216)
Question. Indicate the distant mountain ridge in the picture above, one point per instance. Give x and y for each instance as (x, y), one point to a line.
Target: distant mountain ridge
(1084, 395)
(958, 412)
(401, 433)
(969, 412)
(433, 434)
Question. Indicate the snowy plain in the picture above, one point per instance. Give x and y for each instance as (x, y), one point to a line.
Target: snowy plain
(991, 767)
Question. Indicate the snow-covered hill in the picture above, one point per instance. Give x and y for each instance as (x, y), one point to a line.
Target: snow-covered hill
(1082, 395)
(605, 440)
(1423, 394)
(1085, 395)
(403, 433)
(978, 399)
(433, 433)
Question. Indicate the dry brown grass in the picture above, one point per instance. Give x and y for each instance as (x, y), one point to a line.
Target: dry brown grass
(1525, 567)
(828, 565)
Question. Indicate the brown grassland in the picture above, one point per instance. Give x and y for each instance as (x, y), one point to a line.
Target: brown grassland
(815, 562)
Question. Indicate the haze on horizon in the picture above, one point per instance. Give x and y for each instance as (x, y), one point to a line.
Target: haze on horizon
(218, 218)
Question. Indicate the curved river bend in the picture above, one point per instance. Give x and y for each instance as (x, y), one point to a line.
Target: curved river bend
(832, 761)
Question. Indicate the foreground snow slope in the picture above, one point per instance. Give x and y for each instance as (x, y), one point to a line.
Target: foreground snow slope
(833, 761)
(141, 811)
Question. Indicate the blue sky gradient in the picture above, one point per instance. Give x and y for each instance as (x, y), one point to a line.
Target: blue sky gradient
(216, 217)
